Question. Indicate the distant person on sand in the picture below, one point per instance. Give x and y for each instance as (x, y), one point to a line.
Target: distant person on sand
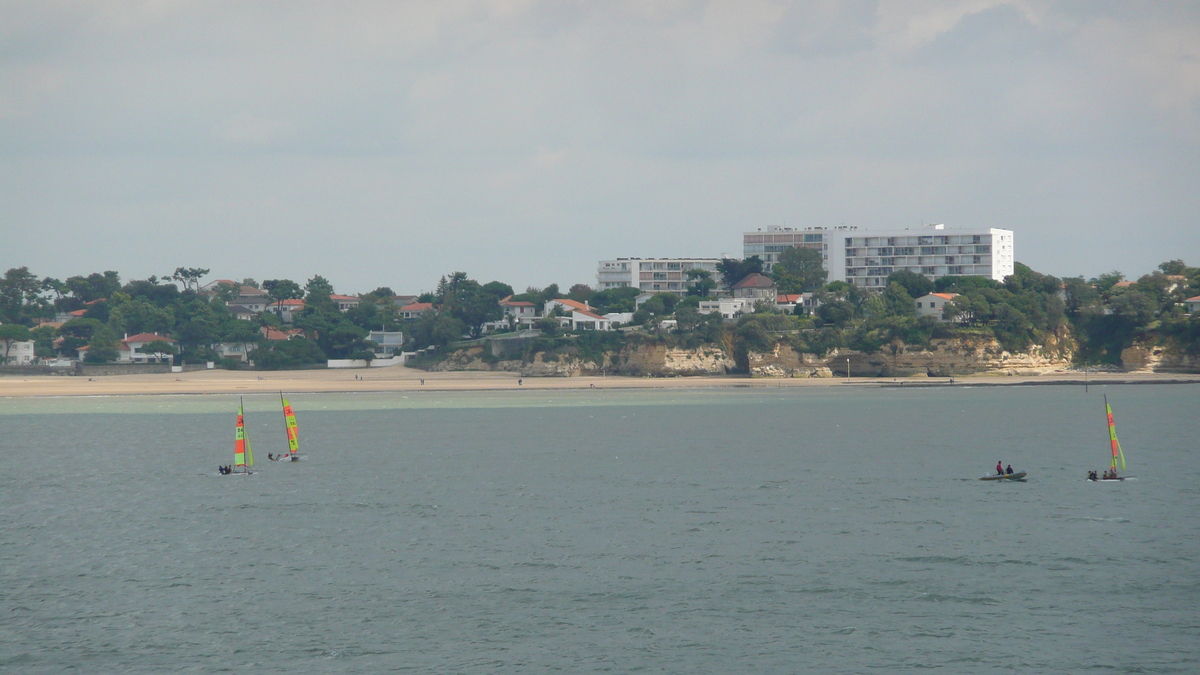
(518, 382)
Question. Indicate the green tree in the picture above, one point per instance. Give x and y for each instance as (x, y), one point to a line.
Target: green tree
(1174, 267)
(18, 288)
(159, 348)
(102, 348)
(916, 285)
(621, 299)
(897, 300)
(1106, 281)
(799, 270)
(700, 282)
(277, 354)
(189, 277)
(11, 333)
(580, 293)
(140, 316)
(76, 333)
(732, 271)
(280, 290)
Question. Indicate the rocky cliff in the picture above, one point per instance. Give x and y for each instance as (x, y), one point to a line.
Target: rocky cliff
(942, 358)
(1158, 359)
(651, 360)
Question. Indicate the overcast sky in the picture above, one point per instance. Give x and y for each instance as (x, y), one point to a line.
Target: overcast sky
(388, 143)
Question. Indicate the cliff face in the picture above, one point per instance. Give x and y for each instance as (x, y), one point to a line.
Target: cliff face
(1158, 359)
(652, 360)
(942, 359)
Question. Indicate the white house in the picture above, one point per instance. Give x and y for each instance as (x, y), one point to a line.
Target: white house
(518, 309)
(415, 309)
(787, 302)
(131, 349)
(253, 299)
(19, 353)
(580, 319)
(233, 350)
(240, 312)
(1193, 304)
(388, 343)
(728, 308)
(344, 302)
(934, 304)
(756, 286)
(565, 306)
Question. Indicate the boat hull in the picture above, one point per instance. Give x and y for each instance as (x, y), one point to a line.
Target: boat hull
(1005, 476)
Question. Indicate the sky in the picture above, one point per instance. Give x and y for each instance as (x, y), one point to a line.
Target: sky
(388, 143)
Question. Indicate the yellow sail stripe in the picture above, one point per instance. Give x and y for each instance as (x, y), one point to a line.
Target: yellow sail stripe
(293, 432)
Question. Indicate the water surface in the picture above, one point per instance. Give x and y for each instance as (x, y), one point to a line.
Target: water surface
(713, 531)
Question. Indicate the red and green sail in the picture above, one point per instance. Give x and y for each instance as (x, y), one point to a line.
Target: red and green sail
(243, 456)
(1112, 437)
(293, 432)
(239, 440)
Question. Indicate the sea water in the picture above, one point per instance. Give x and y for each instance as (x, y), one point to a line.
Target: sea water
(833, 530)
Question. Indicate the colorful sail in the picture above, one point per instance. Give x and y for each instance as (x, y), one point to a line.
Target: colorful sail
(240, 445)
(1112, 437)
(293, 432)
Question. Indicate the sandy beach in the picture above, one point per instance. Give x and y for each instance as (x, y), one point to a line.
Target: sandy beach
(405, 379)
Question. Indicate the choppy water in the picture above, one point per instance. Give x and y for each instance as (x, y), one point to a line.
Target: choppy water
(729, 531)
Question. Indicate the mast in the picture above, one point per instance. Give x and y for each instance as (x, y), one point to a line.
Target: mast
(1112, 437)
(289, 421)
(239, 438)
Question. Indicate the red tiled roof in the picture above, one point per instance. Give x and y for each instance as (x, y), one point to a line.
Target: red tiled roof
(344, 297)
(783, 297)
(78, 312)
(572, 304)
(1123, 284)
(591, 314)
(946, 296)
(1195, 299)
(250, 290)
(755, 280)
(272, 334)
(146, 337)
(507, 302)
(293, 302)
(417, 307)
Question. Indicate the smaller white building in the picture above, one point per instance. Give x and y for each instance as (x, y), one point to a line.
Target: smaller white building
(19, 353)
(934, 304)
(388, 343)
(728, 308)
(1192, 304)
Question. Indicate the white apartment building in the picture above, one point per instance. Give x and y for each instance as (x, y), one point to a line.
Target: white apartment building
(866, 257)
(768, 244)
(652, 275)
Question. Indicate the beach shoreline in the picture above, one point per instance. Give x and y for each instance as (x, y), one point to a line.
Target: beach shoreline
(400, 379)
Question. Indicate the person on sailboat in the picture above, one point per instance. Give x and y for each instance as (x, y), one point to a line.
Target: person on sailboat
(999, 469)
(1008, 471)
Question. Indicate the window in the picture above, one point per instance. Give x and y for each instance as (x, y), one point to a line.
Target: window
(918, 304)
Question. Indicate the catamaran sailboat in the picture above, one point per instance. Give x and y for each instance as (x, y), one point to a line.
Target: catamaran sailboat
(1111, 476)
(243, 455)
(293, 434)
